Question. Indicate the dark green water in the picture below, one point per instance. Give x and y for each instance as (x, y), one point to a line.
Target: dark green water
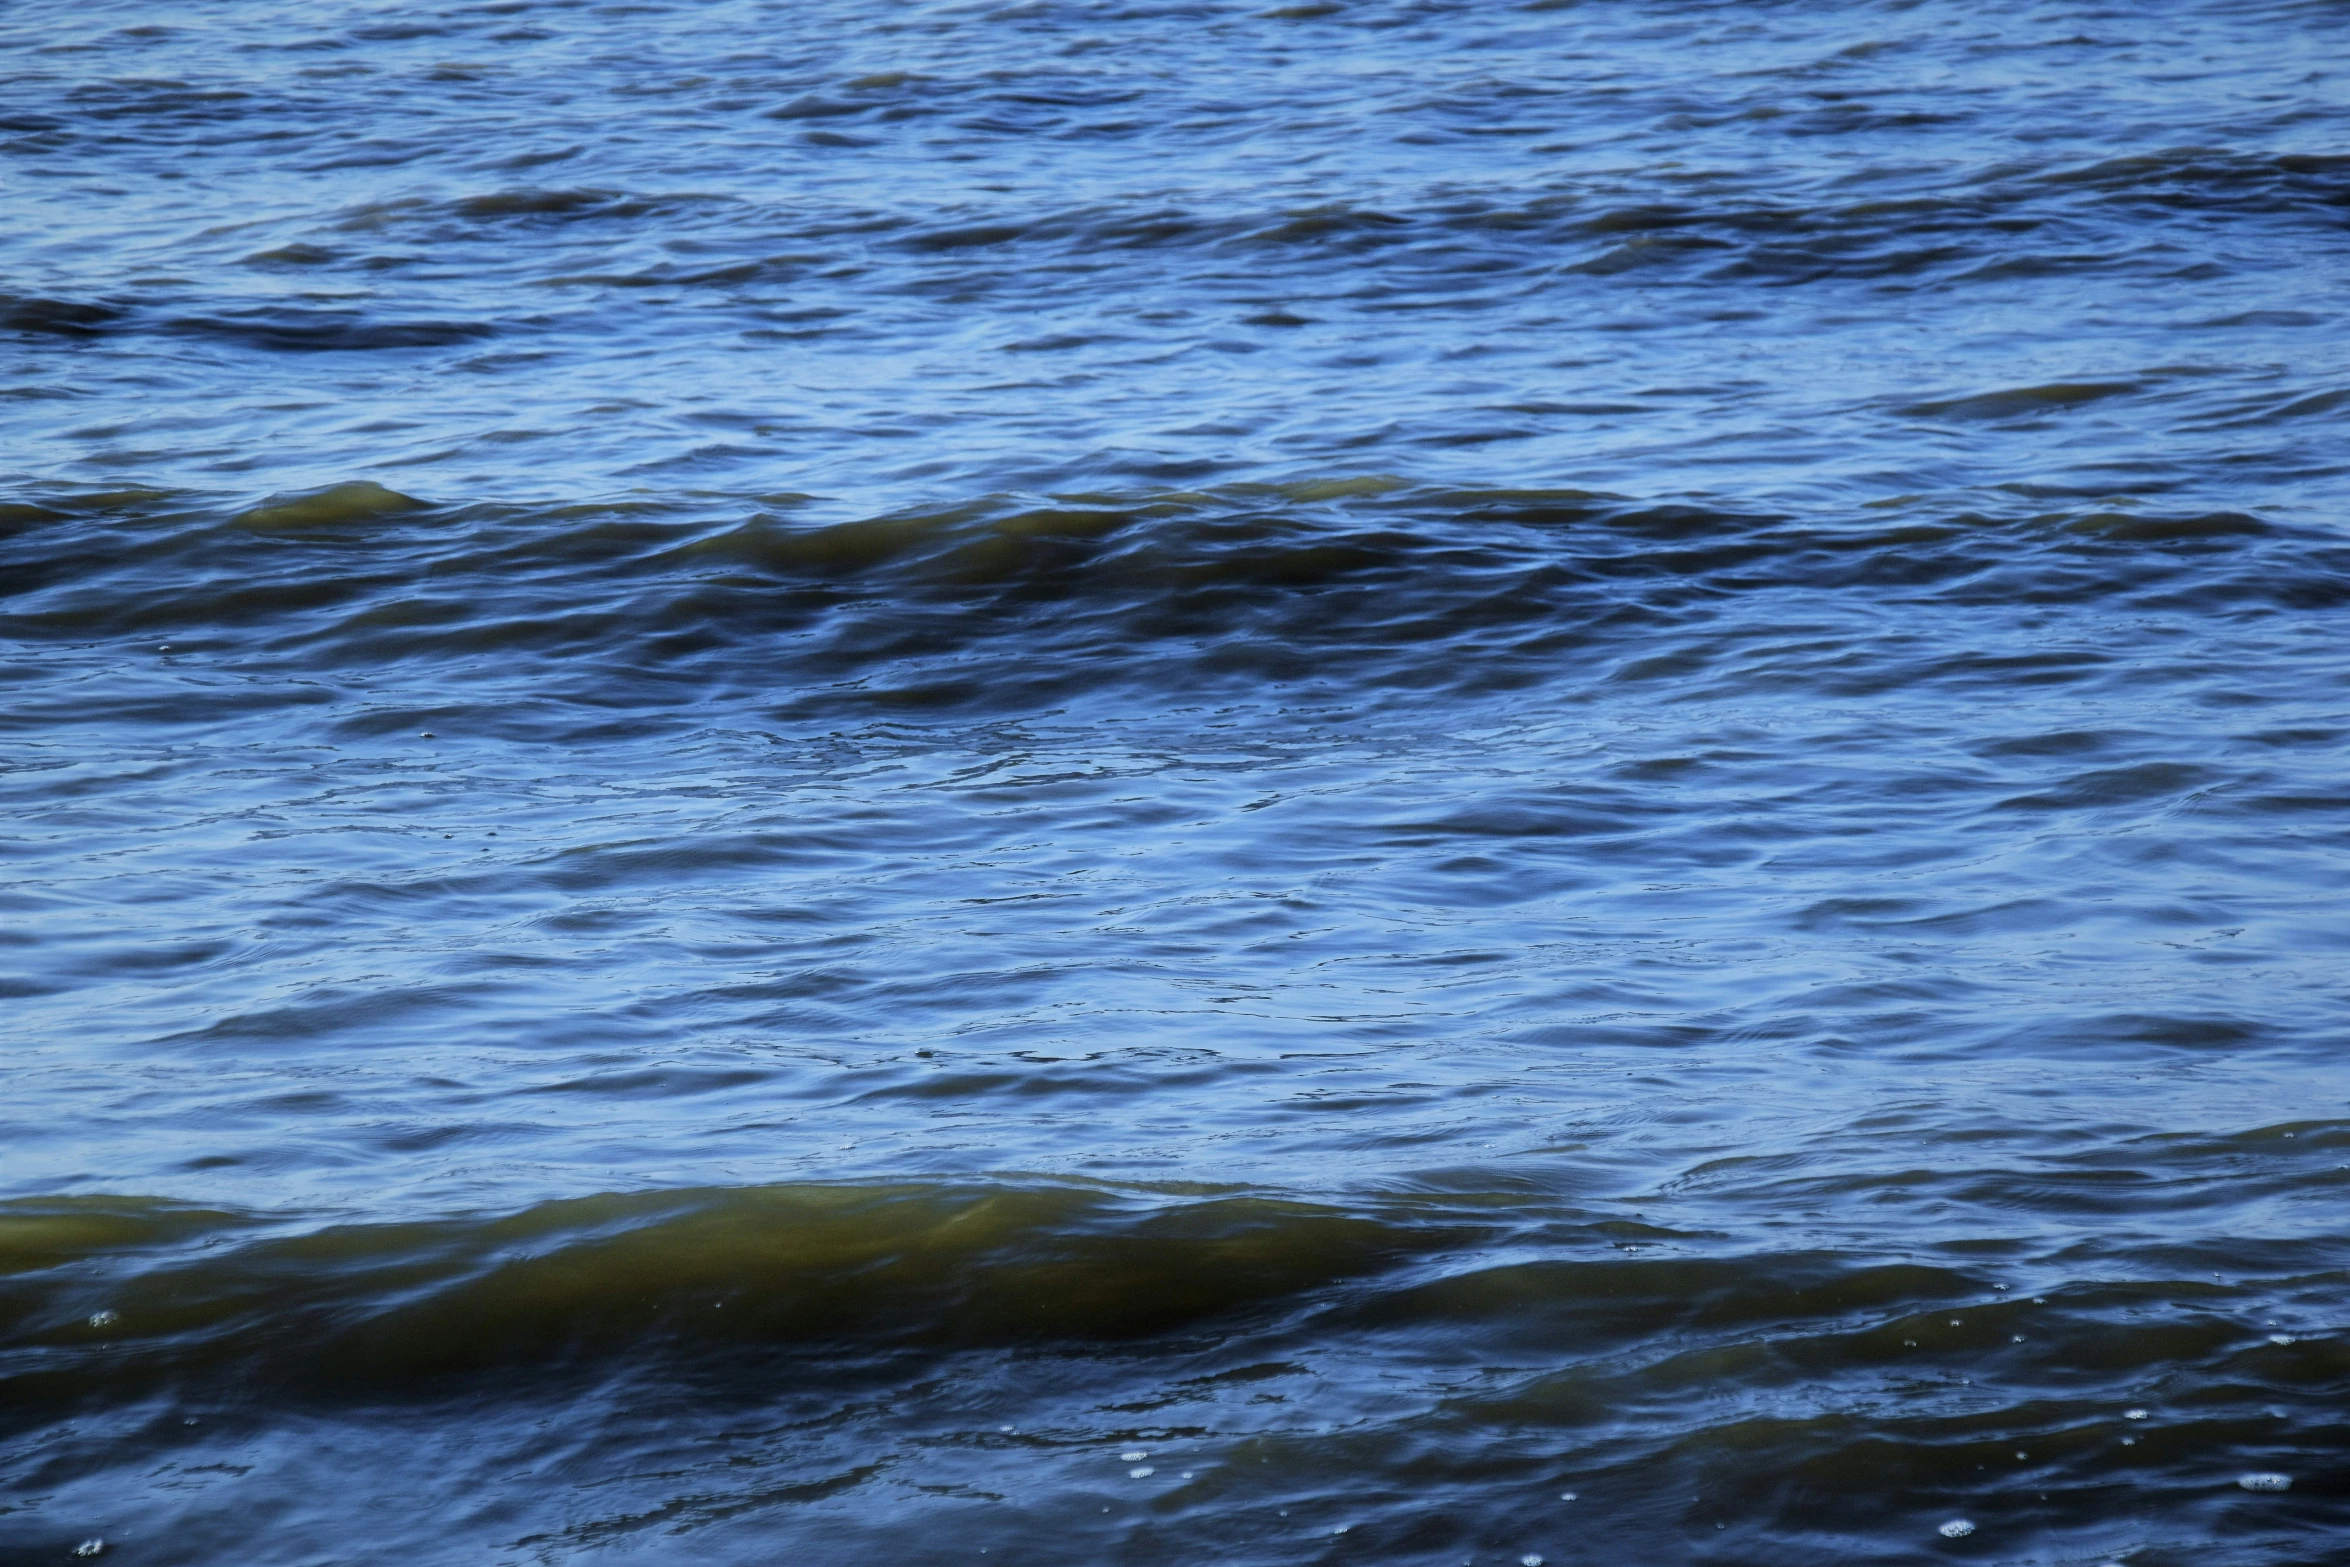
(1172, 783)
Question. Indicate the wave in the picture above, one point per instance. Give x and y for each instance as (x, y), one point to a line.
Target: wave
(118, 1293)
(1369, 579)
(108, 1299)
(1005, 603)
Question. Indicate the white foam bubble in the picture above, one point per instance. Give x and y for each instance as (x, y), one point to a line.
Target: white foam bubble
(1566, 1496)
(1141, 1472)
(1529, 1560)
(2280, 1338)
(1133, 1455)
(2265, 1482)
(104, 1319)
(1956, 1529)
(2133, 1414)
(93, 1546)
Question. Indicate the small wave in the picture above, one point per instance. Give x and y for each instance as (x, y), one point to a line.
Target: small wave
(371, 1308)
(56, 317)
(337, 506)
(490, 212)
(1013, 600)
(281, 329)
(2024, 401)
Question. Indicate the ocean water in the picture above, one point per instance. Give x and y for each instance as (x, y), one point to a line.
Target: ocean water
(1131, 783)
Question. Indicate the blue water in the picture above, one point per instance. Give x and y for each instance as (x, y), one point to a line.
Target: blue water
(773, 773)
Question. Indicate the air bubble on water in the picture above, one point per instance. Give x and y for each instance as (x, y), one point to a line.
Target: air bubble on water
(2133, 1414)
(1003, 1428)
(2129, 1441)
(104, 1319)
(1529, 1560)
(1957, 1321)
(1132, 1455)
(2039, 1300)
(1144, 1472)
(93, 1546)
(2019, 1338)
(2280, 1338)
(1342, 1528)
(1186, 1474)
(1956, 1529)
(2021, 1455)
(1566, 1496)
(2265, 1482)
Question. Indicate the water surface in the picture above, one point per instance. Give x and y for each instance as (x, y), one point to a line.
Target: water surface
(1408, 783)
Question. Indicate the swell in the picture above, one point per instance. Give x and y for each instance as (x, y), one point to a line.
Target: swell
(1012, 599)
(1576, 1319)
(105, 1296)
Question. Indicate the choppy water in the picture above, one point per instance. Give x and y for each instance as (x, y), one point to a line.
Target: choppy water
(1175, 783)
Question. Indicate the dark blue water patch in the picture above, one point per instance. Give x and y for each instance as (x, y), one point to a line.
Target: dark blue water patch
(57, 317)
(325, 331)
